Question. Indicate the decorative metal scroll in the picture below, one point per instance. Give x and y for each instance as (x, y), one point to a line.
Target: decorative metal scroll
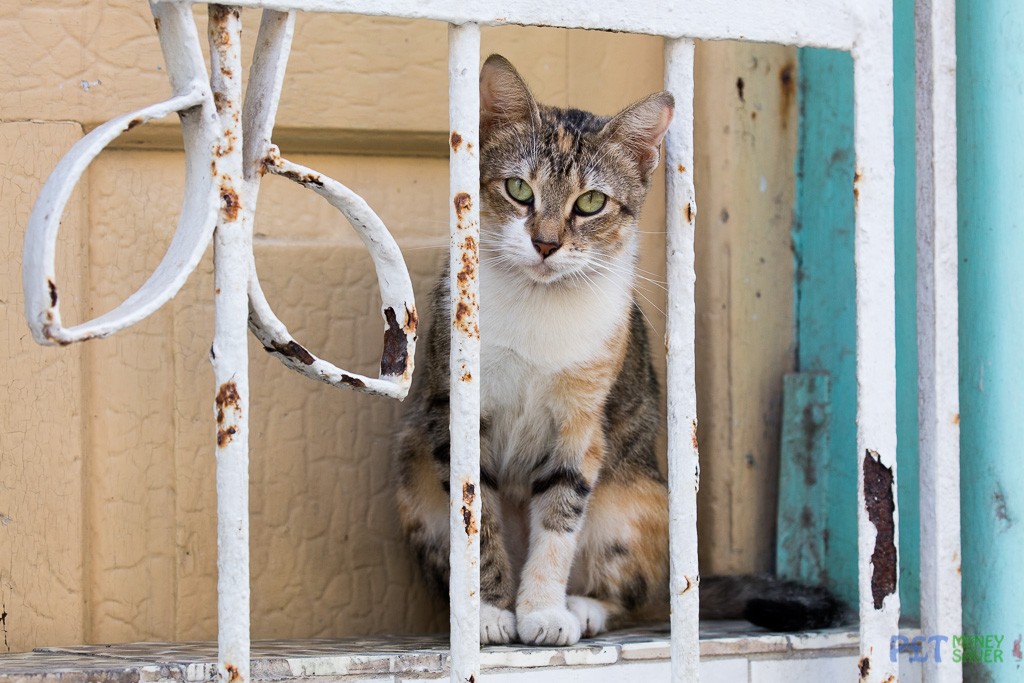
(205, 198)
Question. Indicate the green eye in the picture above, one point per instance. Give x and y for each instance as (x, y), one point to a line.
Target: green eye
(519, 190)
(589, 203)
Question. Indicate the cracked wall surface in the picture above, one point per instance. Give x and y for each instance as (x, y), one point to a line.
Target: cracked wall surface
(107, 510)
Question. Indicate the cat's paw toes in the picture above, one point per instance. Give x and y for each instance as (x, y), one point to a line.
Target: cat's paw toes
(552, 626)
(497, 626)
(592, 614)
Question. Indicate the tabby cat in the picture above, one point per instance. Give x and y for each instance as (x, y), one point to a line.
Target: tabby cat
(575, 516)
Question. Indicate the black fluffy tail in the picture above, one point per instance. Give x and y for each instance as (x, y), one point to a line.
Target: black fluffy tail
(767, 601)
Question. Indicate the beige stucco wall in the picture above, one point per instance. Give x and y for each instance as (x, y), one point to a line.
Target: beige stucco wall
(107, 527)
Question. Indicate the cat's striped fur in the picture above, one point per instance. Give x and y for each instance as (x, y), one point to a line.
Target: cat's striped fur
(574, 524)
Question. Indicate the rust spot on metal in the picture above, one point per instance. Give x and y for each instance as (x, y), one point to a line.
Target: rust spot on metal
(229, 203)
(956, 419)
(292, 349)
(234, 675)
(856, 185)
(353, 381)
(48, 333)
(224, 436)
(466, 377)
(156, 23)
(864, 666)
(469, 261)
(689, 211)
(463, 320)
(220, 101)
(303, 178)
(693, 434)
(455, 141)
(681, 168)
(690, 585)
(412, 320)
(134, 122)
(468, 496)
(395, 356)
(879, 501)
(739, 88)
(227, 397)
(53, 292)
(787, 83)
(462, 204)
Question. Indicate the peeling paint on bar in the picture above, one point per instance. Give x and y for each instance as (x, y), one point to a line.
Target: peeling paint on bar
(874, 268)
(937, 323)
(232, 242)
(680, 335)
(464, 123)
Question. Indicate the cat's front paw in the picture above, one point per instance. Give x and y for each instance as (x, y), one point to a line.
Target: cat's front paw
(497, 626)
(551, 626)
(592, 614)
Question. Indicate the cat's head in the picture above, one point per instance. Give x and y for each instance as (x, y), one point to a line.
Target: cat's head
(562, 189)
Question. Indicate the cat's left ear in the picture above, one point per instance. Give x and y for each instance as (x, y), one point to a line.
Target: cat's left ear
(641, 127)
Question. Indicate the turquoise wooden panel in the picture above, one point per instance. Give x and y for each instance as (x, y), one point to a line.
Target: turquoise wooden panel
(803, 476)
(826, 326)
(990, 99)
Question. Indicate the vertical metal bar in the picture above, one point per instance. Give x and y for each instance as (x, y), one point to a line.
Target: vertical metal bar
(680, 334)
(877, 512)
(937, 325)
(229, 354)
(464, 117)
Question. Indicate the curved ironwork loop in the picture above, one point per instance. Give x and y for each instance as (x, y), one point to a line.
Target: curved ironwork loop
(193, 101)
(398, 306)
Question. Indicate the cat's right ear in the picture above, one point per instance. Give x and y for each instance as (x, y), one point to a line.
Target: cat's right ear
(504, 96)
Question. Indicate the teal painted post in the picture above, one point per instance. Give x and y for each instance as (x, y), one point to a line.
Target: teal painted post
(990, 139)
(823, 240)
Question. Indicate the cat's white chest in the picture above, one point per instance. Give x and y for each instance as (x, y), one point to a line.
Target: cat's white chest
(529, 336)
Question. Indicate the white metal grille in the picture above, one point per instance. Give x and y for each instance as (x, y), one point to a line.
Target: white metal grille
(228, 149)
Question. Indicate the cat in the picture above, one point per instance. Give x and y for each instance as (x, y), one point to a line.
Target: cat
(574, 528)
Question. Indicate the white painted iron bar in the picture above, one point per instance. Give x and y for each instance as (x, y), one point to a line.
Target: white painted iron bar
(680, 335)
(878, 514)
(194, 100)
(230, 352)
(814, 23)
(937, 324)
(464, 204)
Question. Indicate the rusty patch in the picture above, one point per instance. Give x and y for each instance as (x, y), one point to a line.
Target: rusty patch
(681, 168)
(469, 261)
(455, 141)
(880, 504)
(693, 434)
(864, 666)
(292, 349)
(412, 320)
(956, 419)
(689, 585)
(48, 333)
(156, 23)
(464, 321)
(689, 212)
(466, 377)
(229, 203)
(224, 436)
(133, 123)
(787, 83)
(352, 381)
(222, 12)
(468, 496)
(53, 293)
(739, 89)
(395, 356)
(227, 397)
(856, 186)
(303, 178)
(220, 102)
(462, 204)
(234, 675)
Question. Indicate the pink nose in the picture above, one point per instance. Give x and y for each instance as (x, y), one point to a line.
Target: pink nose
(545, 249)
